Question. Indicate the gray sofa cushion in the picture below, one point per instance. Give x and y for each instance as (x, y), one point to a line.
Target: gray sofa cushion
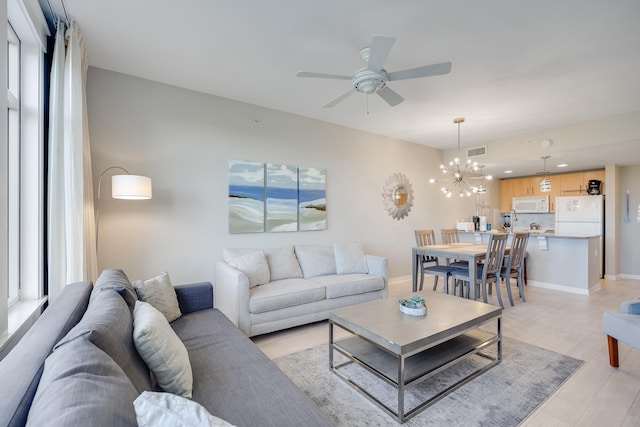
(82, 386)
(284, 293)
(118, 281)
(21, 369)
(316, 260)
(340, 285)
(108, 324)
(235, 381)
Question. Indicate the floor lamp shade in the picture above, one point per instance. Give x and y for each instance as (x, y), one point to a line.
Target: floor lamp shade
(131, 187)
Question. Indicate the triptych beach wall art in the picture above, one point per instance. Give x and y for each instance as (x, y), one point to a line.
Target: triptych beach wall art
(276, 198)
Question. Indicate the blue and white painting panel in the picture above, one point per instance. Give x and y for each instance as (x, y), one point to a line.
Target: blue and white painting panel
(246, 197)
(282, 198)
(312, 199)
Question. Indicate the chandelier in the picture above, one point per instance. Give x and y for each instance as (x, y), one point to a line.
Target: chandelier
(459, 174)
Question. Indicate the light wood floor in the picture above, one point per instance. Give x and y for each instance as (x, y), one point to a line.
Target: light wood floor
(597, 395)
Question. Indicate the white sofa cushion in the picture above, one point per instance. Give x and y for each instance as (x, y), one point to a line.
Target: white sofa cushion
(285, 293)
(283, 263)
(340, 285)
(316, 260)
(350, 258)
(251, 262)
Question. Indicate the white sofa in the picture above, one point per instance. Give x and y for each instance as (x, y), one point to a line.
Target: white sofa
(266, 290)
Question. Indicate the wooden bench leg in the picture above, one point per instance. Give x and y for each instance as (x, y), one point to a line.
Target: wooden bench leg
(613, 351)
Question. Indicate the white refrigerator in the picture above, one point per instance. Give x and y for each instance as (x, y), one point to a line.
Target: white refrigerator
(581, 216)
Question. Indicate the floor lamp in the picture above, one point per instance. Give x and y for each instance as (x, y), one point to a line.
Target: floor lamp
(128, 187)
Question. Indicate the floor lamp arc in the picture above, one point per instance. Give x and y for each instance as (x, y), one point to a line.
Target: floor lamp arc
(127, 187)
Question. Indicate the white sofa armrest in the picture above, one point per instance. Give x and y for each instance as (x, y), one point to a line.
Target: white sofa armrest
(630, 307)
(378, 266)
(232, 295)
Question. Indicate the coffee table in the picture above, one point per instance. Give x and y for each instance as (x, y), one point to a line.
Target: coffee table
(404, 350)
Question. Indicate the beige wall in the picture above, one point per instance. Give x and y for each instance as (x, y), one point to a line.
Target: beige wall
(184, 139)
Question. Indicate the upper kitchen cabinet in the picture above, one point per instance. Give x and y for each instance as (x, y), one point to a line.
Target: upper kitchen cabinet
(570, 184)
(575, 184)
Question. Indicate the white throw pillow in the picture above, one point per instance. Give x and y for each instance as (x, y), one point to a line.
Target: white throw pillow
(161, 349)
(168, 410)
(283, 263)
(252, 263)
(350, 258)
(316, 260)
(159, 292)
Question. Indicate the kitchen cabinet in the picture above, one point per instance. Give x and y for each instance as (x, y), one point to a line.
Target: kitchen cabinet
(507, 190)
(569, 184)
(575, 184)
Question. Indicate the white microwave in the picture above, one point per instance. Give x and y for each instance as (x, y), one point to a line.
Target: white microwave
(534, 204)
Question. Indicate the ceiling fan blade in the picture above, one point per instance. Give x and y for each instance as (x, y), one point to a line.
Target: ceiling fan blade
(424, 71)
(339, 99)
(379, 51)
(322, 75)
(390, 96)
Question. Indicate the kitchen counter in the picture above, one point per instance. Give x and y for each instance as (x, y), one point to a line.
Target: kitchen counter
(563, 263)
(533, 233)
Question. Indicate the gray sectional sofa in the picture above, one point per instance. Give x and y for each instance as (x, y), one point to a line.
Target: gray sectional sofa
(78, 364)
(265, 290)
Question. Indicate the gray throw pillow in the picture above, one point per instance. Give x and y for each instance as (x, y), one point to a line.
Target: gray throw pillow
(82, 386)
(108, 323)
(116, 279)
(159, 292)
(160, 347)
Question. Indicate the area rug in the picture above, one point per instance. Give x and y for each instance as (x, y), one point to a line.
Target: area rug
(505, 395)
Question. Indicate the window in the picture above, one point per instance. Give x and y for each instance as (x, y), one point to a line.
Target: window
(22, 172)
(13, 143)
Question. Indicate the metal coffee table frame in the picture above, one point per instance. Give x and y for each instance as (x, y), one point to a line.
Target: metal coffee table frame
(402, 369)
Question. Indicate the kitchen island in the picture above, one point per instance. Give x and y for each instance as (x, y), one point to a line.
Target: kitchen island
(562, 263)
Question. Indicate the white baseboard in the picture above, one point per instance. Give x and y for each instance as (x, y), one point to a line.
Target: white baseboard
(561, 288)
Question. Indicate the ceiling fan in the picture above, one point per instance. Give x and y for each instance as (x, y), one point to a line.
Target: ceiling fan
(373, 78)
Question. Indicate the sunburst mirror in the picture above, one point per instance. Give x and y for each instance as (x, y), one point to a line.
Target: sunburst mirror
(397, 196)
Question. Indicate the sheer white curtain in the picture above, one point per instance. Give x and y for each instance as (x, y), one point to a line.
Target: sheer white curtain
(71, 220)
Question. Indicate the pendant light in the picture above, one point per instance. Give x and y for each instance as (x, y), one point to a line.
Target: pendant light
(545, 183)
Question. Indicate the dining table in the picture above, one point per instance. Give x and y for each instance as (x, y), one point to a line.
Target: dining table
(473, 253)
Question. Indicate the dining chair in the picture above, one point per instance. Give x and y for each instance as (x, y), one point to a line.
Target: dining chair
(431, 264)
(514, 264)
(489, 272)
(450, 235)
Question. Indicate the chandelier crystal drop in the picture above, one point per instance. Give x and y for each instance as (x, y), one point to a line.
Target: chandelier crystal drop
(458, 174)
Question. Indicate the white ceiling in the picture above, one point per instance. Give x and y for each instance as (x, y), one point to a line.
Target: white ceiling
(518, 67)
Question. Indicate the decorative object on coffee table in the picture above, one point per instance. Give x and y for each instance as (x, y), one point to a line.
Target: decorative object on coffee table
(414, 306)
